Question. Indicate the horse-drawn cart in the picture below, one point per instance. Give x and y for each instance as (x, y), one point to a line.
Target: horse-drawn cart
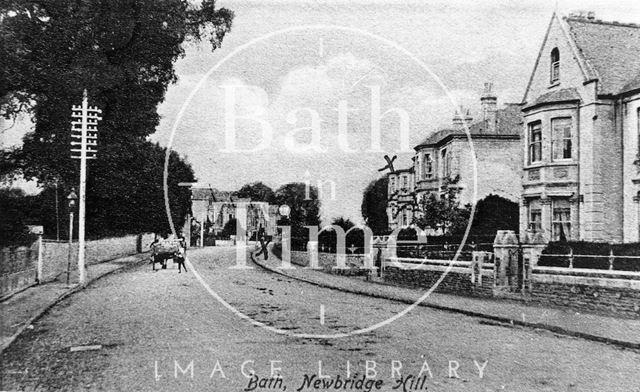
(163, 250)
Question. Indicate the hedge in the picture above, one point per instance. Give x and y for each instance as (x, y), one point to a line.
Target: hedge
(591, 249)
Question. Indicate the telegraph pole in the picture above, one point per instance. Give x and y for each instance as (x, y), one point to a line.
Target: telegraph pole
(84, 134)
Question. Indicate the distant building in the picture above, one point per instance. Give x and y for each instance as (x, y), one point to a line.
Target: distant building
(447, 154)
(582, 111)
(216, 208)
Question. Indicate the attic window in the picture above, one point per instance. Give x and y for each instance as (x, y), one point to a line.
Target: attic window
(555, 65)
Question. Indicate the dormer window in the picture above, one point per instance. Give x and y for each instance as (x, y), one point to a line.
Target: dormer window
(555, 65)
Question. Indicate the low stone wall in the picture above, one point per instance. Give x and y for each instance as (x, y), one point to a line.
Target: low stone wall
(592, 290)
(459, 280)
(18, 268)
(55, 254)
(327, 261)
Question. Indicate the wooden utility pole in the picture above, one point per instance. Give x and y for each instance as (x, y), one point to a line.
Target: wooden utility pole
(84, 133)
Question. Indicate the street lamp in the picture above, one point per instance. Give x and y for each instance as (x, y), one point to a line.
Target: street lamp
(71, 198)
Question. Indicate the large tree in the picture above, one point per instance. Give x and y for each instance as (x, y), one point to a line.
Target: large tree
(304, 204)
(123, 53)
(374, 205)
(257, 191)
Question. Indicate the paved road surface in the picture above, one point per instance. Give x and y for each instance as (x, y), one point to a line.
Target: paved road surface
(152, 326)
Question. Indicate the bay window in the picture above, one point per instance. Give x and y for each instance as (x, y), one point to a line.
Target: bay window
(561, 138)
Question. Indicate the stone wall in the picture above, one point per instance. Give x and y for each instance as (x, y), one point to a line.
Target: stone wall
(459, 280)
(18, 266)
(327, 261)
(55, 254)
(601, 291)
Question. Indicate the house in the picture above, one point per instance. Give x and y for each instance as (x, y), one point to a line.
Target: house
(448, 154)
(216, 208)
(581, 123)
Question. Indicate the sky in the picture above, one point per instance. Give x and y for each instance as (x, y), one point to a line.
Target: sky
(300, 83)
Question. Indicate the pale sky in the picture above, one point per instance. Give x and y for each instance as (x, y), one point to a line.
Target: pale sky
(462, 43)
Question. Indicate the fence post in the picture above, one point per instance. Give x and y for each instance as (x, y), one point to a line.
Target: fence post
(39, 278)
(570, 257)
(611, 258)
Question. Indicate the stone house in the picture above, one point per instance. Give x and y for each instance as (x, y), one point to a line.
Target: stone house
(219, 207)
(494, 142)
(581, 123)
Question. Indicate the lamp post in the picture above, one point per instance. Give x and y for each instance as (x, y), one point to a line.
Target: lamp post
(71, 198)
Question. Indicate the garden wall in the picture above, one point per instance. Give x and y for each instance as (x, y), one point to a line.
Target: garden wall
(459, 280)
(18, 266)
(593, 290)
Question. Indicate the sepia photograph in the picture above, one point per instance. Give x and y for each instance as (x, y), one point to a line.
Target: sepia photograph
(320, 195)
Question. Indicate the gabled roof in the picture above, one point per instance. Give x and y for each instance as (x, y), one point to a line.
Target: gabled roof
(507, 125)
(611, 49)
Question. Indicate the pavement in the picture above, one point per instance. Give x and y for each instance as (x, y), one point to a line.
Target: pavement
(621, 332)
(25, 307)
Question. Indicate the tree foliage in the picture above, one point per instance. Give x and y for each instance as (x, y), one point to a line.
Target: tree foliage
(443, 212)
(374, 205)
(257, 191)
(123, 52)
(495, 213)
(13, 228)
(305, 208)
(344, 223)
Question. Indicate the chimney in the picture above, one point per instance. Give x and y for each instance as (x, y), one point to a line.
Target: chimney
(468, 119)
(489, 105)
(458, 121)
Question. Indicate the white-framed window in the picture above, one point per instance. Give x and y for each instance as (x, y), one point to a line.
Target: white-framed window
(561, 141)
(535, 216)
(535, 142)
(392, 184)
(405, 182)
(427, 171)
(560, 220)
(555, 65)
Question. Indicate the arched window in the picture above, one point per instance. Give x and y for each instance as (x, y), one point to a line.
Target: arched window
(555, 65)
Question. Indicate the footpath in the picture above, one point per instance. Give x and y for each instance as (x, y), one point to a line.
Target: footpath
(620, 332)
(19, 311)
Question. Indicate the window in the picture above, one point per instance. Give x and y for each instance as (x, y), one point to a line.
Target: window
(555, 65)
(428, 167)
(561, 138)
(392, 184)
(535, 142)
(561, 221)
(405, 182)
(535, 216)
(445, 163)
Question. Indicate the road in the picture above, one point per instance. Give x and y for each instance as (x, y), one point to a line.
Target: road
(164, 331)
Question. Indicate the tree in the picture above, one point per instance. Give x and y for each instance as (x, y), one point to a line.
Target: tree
(257, 191)
(344, 223)
(305, 207)
(123, 52)
(442, 212)
(495, 213)
(230, 227)
(13, 228)
(374, 205)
